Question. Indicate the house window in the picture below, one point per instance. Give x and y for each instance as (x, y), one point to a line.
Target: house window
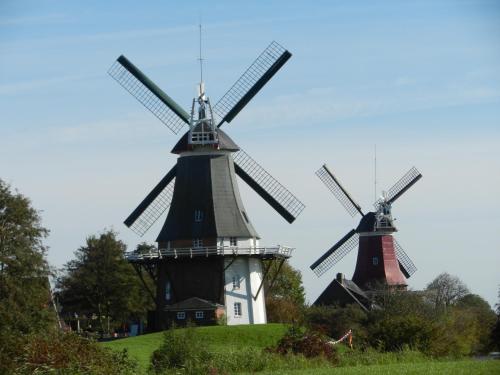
(237, 309)
(375, 261)
(198, 216)
(181, 315)
(199, 315)
(233, 241)
(197, 242)
(236, 282)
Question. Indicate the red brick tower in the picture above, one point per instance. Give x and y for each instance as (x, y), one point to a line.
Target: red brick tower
(380, 258)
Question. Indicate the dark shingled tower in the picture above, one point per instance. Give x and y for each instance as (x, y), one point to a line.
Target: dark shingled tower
(208, 250)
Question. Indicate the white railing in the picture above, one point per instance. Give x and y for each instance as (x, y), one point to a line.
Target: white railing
(276, 251)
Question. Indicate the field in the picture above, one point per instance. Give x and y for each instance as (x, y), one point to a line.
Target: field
(239, 339)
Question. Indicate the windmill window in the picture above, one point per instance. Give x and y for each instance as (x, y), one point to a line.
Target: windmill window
(236, 282)
(197, 242)
(237, 309)
(168, 291)
(198, 216)
(199, 315)
(233, 241)
(181, 315)
(375, 261)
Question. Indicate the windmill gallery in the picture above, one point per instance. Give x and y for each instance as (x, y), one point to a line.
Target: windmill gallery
(210, 261)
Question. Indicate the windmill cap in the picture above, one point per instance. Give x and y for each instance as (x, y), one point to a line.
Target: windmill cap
(225, 143)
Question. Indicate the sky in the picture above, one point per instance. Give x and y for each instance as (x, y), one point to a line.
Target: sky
(420, 81)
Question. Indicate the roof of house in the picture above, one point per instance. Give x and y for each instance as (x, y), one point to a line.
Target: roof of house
(343, 292)
(193, 303)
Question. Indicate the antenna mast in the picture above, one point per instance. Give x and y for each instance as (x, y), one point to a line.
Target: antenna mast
(375, 177)
(201, 59)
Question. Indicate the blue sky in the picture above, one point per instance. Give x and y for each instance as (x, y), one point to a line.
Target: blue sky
(420, 80)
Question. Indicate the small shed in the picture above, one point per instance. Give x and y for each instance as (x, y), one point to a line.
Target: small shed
(194, 310)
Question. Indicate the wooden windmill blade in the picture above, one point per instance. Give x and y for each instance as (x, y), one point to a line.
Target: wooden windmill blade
(334, 185)
(336, 253)
(273, 192)
(405, 263)
(402, 186)
(251, 82)
(149, 94)
(153, 206)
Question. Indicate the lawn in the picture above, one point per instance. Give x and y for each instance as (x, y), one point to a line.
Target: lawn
(217, 338)
(465, 367)
(233, 339)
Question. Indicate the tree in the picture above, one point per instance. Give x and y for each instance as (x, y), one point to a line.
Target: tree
(100, 281)
(24, 287)
(484, 320)
(445, 290)
(285, 295)
(495, 333)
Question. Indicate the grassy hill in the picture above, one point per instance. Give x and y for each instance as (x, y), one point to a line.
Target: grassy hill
(217, 338)
(242, 341)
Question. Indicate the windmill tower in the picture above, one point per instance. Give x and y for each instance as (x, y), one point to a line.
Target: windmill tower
(209, 255)
(381, 259)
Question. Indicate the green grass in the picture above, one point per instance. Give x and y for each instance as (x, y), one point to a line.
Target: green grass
(240, 343)
(464, 367)
(217, 338)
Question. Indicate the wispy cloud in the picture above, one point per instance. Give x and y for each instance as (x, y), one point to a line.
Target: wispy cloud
(36, 84)
(34, 20)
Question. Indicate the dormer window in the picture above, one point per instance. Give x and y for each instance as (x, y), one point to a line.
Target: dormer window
(198, 216)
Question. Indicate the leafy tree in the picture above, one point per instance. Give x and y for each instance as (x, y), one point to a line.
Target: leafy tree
(446, 289)
(24, 287)
(495, 334)
(285, 295)
(101, 282)
(483, 317)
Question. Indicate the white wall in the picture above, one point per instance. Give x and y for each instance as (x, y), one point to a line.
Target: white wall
(249, 272)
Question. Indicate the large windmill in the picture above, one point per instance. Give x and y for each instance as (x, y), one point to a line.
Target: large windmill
(381, 259)
(208, 256)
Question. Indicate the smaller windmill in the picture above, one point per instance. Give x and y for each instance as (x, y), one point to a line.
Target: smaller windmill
(380, 257)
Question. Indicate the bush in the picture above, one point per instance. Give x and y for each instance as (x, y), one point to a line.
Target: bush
(336, 321)
(68, 354)
(393, 333)
(310, 344)
(180, 349)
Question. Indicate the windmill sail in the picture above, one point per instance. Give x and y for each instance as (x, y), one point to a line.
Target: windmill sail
(274, 193)
(400, 187)
(338, 190)
(336, 253)
(148, 94)
(250, 83)
(405, 264)
(153, 206)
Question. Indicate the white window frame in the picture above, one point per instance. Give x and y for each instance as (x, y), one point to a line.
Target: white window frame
(236, 282)
(199, 314)
(237, 310)
(181, 315)
(197, 243)
(198, 216)
(233, 241)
